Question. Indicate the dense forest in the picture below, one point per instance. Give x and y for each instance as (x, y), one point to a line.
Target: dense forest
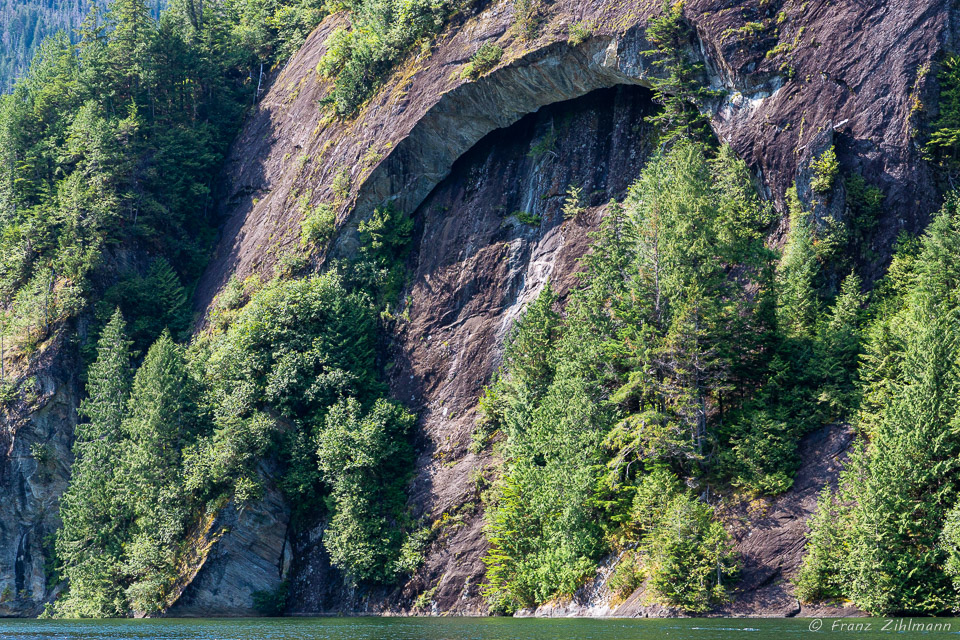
(25, 24)
(109, 150)
(689, 362)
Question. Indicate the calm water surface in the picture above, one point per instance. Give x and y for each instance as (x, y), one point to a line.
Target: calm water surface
(462, 629)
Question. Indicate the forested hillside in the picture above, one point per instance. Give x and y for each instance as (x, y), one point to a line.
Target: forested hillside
(110, 148)
(25, 23)
(716, 321)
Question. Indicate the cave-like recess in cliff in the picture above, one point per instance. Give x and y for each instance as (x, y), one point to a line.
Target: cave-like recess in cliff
(464, 115)
(510, 187)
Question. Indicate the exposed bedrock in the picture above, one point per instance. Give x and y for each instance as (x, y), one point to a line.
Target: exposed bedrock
(36, 435)
(851, 75)
(855, 70)
(463, 158)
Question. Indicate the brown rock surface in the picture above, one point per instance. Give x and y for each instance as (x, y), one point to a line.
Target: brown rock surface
(848, 73)
(854, 67)
(792, 86)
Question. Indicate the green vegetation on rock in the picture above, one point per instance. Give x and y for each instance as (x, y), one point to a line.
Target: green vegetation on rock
(886, 540)
(109, 149)
(684, 355)
(679, 374)
(293, 378)
(485, 59)
(381, 34)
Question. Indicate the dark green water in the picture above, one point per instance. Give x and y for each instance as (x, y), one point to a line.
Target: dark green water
(468, 629)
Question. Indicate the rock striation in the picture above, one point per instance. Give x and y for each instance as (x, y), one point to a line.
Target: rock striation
(793, 79)
(36, 436)
(464, 158)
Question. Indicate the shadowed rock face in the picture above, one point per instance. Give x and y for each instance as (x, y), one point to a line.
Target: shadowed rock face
(853, 71)
(245, 550)
(455, 155)
(474, 267)
(31, 487)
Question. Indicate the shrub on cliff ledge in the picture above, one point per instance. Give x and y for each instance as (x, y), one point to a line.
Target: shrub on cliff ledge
(318, 225)
(382, 33)
(485, 59)
(825, 168)
(578, 33)
(944, 143)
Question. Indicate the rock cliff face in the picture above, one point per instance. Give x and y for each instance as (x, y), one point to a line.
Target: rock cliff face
(474, 267)
(464, 158)
(794, 79)
(36, 435)
(858, 71)
(241, 552)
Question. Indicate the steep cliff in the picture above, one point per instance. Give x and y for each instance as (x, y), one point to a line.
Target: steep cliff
(795, 79)
(482, 167)
(804, 73)
(36, 433)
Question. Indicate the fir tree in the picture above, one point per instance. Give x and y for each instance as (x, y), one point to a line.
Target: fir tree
(90, 544)
(679, 89)
(899, 485)
(163, 417)
(797, 306)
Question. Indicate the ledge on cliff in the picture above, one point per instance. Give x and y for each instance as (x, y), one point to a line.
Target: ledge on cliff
(781, 105)
(455, 155)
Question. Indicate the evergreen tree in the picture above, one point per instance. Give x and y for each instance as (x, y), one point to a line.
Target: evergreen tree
(90, 544)
(128, 52)
(837, 350)
(527, 368)
(688, 556)
(163, 417)
(678, 87)
(108, 386)
(797, 301)
(898, 487)
(356, 453)
(819, 576)
(944, 142)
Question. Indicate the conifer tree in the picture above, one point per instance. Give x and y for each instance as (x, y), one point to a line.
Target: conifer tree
(896, 530)
(837, 350)
(90, 544)
(163, 417)
(678, 88)
(108, 385)
(170, 296)
(819, 576)
(131, 32)
(527, 356)
(355, 453)
(797, 306)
